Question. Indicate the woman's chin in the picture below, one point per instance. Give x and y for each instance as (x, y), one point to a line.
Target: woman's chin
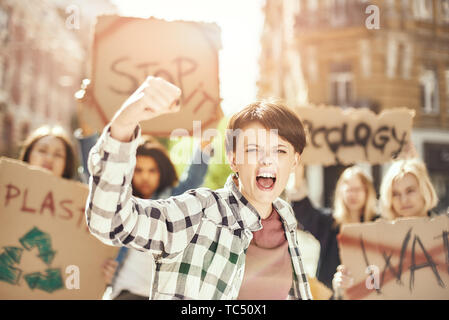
(266, 197)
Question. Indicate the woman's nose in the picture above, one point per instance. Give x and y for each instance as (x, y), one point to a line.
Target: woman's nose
(404, 198)
(266, 158)
(48, 157)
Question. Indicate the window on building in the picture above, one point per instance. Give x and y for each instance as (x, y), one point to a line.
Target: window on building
(423, 9)
(399, 55)
(429, 91)
(3, 25)
(338, 12)
(405, 59)
(2, 71)
(402, 60)
(444, 11)
(365, 58)
(392, 57)
(341, 86)
(446, 78)
(312, 5)
(312, 64)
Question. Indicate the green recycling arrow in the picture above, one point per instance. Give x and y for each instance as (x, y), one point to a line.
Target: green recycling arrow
(49, 282)
(8, 258)
(41, 240)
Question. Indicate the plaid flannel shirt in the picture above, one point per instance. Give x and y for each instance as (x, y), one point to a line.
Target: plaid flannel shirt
(198, 239)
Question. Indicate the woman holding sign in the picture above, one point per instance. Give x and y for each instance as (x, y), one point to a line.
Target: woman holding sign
(354, 202)
(406, 191)
(49, 147)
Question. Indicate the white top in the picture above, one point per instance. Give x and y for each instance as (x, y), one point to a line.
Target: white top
(136, 274)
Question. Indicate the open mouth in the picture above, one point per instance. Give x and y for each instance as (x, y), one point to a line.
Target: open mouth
(266, 181)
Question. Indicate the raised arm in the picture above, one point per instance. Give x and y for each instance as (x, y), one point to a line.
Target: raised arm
(113, 215)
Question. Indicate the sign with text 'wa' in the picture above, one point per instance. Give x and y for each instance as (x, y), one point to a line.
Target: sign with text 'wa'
(338, 136)
(127, 50)
(46, 250)
(404, 259)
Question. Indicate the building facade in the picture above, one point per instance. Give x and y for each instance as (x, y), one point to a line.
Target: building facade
(42, 61)
(355, 53)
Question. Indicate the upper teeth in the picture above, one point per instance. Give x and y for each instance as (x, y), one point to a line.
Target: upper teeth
(266, 175)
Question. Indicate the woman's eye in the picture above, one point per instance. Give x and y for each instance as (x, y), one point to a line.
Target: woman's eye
(59, 155)
(251, 150)
(282, 151)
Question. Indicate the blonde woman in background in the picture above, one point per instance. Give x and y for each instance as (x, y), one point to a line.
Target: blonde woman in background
(405, 192)
(354, 202)
(355, 197)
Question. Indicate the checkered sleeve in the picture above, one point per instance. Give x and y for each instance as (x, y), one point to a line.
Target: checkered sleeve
(117, 218)
(301, 287)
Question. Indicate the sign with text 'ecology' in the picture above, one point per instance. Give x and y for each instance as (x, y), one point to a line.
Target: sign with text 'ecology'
(46, 250)
(348, 136)
(127, 50)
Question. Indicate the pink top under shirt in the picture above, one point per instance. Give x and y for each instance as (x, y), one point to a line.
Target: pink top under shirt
(268, 266)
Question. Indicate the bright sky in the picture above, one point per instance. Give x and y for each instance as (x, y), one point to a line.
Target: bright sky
(241, 25)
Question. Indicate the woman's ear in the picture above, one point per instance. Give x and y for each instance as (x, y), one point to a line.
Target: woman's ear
(231, 160)
(296, 161)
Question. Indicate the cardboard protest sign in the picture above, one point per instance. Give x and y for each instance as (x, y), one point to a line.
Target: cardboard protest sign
(338, 136)
(404, 259)
(127, 50)
(46, 251)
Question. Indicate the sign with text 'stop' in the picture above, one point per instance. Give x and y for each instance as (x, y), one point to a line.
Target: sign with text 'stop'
(46, 250)
(127, 50)
(404, 259)
(348, 136)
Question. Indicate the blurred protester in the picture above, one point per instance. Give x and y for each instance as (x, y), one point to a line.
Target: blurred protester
(354, 202)
(406, 191)
(49, 147)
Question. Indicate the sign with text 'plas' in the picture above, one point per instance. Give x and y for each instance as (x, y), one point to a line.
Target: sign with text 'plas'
(404, 259)
(127, 50)
(348, 136)
(46, 250)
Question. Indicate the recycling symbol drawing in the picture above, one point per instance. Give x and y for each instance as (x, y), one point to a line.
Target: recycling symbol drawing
(10, 257)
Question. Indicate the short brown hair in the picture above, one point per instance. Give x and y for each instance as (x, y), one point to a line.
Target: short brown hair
(55, 131)
(271, 115)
